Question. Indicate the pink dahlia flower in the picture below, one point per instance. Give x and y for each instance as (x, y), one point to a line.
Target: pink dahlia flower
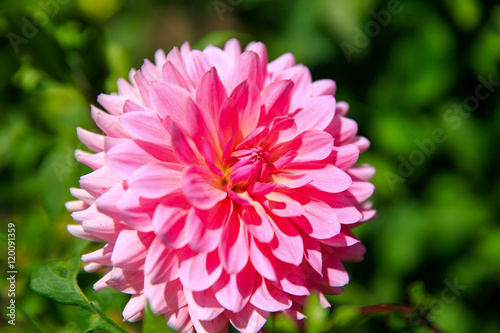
(224, 188)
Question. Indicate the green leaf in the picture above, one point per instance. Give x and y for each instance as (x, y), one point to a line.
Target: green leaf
(57, 281)
(154, 323)
(316, 315)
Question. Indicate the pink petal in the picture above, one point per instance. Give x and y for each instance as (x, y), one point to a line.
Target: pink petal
(249, 320)
(183, 150)
(282, 129)
(280, 64)
(161, 263)
(78, 231)
(126, 157)
(217, 325)
(179, 320)
(292, 280)
(233, 291)
(131, 248)
(155, 180)
(197, 64)
(106, 203)
(248, 67)
(282, 205)
(136, 211)
(210, 94)
(112, 103)
(233, 248)
(360, 191)
(324, 87)
(325, 177)
(301, 76)
(344, 157)
(269, 298)
(146, 126)
(263, 260)
(314, 113)
(108, 123)
(198, 186)
(199, 271)
(93, 141)
(134, 307)
(312, 253)
(93, 161)
(310, 145)
(203, 304)
(99, 181)
(334, 271)
(204, 228)
(247, 97)
(169, 221)
(172, 75)
(257, 222)
(275, 100)
(287, 244)
(291, 180)
(126, 281)
(169, 100)
(228, 122)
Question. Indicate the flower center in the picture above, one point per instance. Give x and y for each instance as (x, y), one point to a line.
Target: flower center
(248, 166)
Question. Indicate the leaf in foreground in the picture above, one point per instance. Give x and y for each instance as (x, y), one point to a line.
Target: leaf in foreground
(57, 281)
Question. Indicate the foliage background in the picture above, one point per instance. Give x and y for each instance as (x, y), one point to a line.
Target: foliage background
(437, 223)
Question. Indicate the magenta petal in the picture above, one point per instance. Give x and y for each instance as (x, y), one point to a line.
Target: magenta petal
(155, 180)
(228, 122)
(233, 291)
(249, 320)
(249, 67)
(203, 304)
(183, 150)
(282, 205)
(199, 271)
(269, 298)
(247, 97)
(334, 271)
(204, 228)
(169, 100)
(219, 324)
(257, 222)
(210, 94)
(263, 260)
(233, 248)
(169, 221)
(161, 263)
(198, 186)
(287, 244)
(172, 75)
(275, 100)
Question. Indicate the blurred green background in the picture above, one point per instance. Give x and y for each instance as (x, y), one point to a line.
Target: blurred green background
(411, 71)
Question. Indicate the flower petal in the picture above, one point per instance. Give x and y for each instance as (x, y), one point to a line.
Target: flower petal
(199, 189)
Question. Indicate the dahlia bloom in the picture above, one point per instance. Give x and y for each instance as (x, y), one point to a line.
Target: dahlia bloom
(224, 188)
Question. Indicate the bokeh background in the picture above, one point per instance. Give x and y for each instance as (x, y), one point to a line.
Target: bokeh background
(413, 85)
